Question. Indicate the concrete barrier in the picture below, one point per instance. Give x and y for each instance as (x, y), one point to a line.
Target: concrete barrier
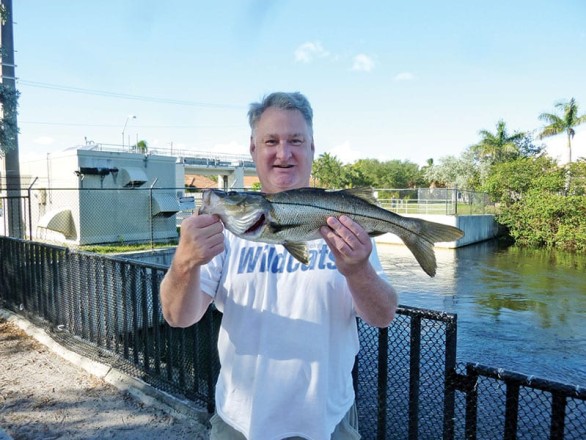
(476, 228)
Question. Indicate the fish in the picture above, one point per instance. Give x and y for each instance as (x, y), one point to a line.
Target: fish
(294, 217)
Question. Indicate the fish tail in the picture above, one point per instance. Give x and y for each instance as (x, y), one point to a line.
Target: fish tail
(438, 232)
(421, 243)
(423, 252)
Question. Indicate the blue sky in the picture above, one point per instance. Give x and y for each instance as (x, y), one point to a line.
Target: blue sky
(407, 80)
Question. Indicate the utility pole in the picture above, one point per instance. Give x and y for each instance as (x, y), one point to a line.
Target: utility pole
(13, 205)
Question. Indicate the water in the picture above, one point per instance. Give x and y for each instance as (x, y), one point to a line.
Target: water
(522, 310)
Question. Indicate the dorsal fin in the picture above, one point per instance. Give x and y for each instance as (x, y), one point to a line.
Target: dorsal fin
(363, 193)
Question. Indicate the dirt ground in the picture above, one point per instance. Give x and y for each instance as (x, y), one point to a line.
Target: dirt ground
(43, 396)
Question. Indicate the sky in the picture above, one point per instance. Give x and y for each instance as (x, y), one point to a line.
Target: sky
(388, 79)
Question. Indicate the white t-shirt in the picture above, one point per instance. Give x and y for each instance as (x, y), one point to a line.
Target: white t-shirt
(287, 342)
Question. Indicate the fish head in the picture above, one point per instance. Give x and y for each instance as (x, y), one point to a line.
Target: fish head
(245, 214)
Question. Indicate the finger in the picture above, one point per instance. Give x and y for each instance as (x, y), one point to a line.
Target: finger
(335, 242)
(344, 232)
(206, 219)
(355, 228)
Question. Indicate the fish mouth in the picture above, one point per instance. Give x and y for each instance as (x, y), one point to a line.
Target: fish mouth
(257, 225)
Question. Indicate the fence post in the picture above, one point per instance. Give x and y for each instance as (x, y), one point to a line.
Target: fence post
(151, 213)
(30, 215)
(449, 372)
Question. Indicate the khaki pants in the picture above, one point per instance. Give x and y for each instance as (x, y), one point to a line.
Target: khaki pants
(347, 429)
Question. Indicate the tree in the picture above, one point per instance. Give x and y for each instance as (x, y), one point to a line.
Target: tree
(534, 208)
(497, 147)
(451, 171)
(508, 182)
(564, 123)
(141, 147)
(328, 170)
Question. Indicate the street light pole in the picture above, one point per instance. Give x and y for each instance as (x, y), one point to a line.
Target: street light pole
(124, 129)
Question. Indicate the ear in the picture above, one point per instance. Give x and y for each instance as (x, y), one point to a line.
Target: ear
(252, 147)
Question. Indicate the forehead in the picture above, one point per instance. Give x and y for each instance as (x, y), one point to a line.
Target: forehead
(276, 121)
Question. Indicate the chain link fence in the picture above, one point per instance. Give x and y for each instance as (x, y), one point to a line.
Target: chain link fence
(438, 201)
(407, 380)
(87, 216)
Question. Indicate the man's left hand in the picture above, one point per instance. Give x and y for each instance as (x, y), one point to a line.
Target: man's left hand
(349, 243)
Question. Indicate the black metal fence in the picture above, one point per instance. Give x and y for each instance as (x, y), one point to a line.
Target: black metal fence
(408, 382)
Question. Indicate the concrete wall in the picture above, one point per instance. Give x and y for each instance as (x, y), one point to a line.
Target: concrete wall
(109, 212)
(476, 228)
(156, 256)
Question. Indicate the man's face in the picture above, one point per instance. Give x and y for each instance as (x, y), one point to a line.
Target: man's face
(282, 148)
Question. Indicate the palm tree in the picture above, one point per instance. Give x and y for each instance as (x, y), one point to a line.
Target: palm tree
(564, 123)
(495, 147)
(141, 147)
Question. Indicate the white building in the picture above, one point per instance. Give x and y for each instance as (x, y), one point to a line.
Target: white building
(85, 196)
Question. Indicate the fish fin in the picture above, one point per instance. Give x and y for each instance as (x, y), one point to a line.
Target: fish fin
(363, 193)
(421, 243)
(423, 252)
(438, 232)
(298, 250)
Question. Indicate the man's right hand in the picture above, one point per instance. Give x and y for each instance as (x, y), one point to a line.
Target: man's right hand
(182, 300)
(201, 239)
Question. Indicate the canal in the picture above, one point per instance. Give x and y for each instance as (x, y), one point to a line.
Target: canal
(522, 310)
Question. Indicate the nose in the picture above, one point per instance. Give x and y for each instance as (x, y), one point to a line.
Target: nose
(283, 151)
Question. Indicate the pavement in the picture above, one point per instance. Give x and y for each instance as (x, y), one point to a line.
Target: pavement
(50, 392)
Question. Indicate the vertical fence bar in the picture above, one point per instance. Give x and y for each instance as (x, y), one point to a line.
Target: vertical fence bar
(125, 306)
(156, 324)
(212, 351)
(414, 375)
(135, 316)
(383, 381)
(511, 411)
(146, 324)
(449, 373)
(471, 404)
(558, 416)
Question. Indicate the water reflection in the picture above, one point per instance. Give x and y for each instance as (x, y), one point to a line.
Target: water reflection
(519, 309)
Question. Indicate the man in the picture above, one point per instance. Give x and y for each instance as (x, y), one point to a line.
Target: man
(288, 338)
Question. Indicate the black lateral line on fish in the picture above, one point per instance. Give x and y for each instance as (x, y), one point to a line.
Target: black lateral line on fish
(351, 214)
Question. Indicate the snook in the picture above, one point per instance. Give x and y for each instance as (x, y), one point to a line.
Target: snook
(294, 217)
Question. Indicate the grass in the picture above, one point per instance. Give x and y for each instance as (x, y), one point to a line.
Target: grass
(118, 248)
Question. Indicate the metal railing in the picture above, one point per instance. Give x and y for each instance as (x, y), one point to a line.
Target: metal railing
(408, 383)
(434, 201)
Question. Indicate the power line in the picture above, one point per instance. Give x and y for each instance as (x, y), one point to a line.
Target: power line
(135, 125)
(80, 90)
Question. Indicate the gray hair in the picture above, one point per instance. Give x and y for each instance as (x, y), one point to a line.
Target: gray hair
(284, 101)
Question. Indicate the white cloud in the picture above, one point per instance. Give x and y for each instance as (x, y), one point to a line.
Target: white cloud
(404, 76)
(345, 153)
(309, 51)
(557, 146)
(363, 63)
